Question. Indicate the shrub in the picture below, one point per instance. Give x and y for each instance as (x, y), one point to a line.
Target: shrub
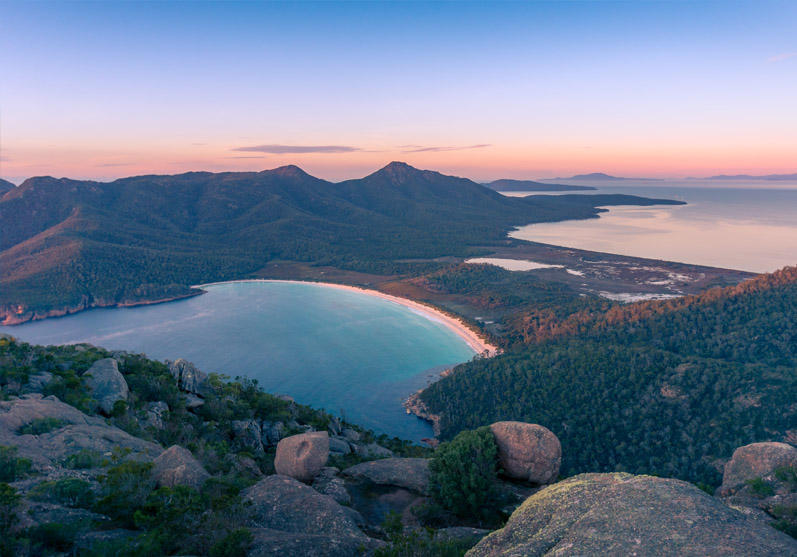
(40, 426)
(83, 459)
(464, 475)
(125, 488)
(9, 500)
(233, 544)
(53, 536)
(71, 492)
(761, 487)
(11, 467)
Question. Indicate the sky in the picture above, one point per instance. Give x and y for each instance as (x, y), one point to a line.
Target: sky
(485, 90)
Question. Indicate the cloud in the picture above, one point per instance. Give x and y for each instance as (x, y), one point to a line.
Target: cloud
(108, 164)
(246, 157)
(419, 149)
(293, 149)
(782, 57)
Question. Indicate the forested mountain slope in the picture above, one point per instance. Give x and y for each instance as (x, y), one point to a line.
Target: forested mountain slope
(66, 245)
(665, 388)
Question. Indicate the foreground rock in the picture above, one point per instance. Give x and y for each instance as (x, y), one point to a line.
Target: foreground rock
(275, 542)
(302, 456)
(107, 384)
(621, 514)
(285, 504)
(528, 452)
(409, 473)
(72, 432)
(755, 461)
(189, 378)
(177, 466)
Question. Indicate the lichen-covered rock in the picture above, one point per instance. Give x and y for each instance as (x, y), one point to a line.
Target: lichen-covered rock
(189, 378)
(302, 456)
(177, 466)
(275, 542)
(106, 383)
(410, 473)
(154, 414)
(339, 446)
(755, 461)
(283, 503)
(76, 432)
(327, 482)
(271, 433)
(527, 452)
(372, 450)
(621, 514)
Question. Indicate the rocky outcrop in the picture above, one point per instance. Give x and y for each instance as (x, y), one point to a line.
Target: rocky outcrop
(302, 456)
(75, 432)
(177, 466)
(285, 504)
(107, 384)
(339, 446)
(327, 483)
(275, 542)
(372, 450)
(189, 378)
(527, 452)
(755, 461)
(409, 473)
(248, 436)
(621, 514)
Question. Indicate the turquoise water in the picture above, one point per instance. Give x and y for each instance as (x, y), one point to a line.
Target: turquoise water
(353, 354)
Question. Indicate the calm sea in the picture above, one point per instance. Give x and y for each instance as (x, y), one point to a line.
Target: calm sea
(752, 227)
(355, 355)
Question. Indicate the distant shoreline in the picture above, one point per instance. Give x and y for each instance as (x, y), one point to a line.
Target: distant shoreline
(471, 337)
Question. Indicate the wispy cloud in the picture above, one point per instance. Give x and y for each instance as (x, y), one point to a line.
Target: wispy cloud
(420, 149)
(246, 157)
(295, 149)
(109, 164)
(782, 57)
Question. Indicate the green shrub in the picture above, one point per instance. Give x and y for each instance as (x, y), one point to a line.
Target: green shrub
(125, 489)
(83, 459)
(52, 535)
(12, 468)
(71, 492)
(233, 544)
(464, 475)
(761, 487)
(9, 500)
(787, 474)
(40, 426)
(419, 543)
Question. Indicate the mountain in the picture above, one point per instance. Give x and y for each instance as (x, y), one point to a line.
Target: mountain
(5, 187)
(768, 177)
(506, 184)
(67, 245)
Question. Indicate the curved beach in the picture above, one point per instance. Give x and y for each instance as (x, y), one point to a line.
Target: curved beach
(458, 326)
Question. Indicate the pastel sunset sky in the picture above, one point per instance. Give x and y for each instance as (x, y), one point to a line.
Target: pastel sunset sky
(484, 90)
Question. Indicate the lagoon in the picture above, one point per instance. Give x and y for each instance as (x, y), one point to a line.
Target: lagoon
(353, 354)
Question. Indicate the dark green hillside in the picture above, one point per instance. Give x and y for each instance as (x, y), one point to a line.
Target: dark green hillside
(69, 245)
(665, 394)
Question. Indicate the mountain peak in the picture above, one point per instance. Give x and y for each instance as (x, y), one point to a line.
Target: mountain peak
(290, 170)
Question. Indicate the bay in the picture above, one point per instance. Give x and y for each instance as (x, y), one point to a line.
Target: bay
(350, 353)
(746, 226)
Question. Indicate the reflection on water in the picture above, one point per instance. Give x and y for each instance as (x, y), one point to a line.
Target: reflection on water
(748, 229)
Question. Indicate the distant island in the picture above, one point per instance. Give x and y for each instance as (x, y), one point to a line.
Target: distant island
(602, 176)
(506, 184)
(768, 177)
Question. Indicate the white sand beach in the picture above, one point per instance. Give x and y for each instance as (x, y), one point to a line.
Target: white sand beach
(471, 337)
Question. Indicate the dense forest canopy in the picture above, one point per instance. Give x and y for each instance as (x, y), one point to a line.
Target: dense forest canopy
(667, 388)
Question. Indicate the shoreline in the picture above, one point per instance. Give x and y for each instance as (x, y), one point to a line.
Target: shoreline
(455, 324)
